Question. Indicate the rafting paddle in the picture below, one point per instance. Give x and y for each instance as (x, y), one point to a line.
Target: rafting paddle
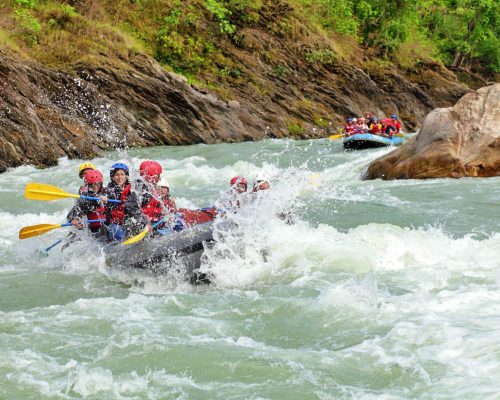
(41, 191)
(45, 253)
(140, 236)
(36, 230)
(336, 136)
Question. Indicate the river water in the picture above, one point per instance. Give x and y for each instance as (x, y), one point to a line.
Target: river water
(379, 290)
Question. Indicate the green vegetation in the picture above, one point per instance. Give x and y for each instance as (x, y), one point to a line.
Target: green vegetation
(193, 37)
(294, 128)
(461, 32)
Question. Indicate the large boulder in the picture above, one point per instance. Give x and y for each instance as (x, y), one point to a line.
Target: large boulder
(463, 140)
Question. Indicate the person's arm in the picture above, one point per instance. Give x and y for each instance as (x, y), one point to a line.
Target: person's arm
(76, 214)
(133, 211)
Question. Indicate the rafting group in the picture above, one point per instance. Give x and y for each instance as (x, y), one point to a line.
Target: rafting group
(371, 124)
(123, 208)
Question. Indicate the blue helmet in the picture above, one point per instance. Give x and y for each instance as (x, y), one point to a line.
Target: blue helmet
(394, 116)
(349, 119)
(116, 167)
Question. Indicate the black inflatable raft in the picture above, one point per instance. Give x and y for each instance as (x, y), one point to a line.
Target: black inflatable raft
(162, 252)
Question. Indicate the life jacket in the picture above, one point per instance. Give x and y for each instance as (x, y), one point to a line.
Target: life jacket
(349, 128)
(397, 124)
(118, 213)
(375, 128)
(169, 203)
(388, 126)
(98, 213)
(387, 122)
(193, 217)
(358, 129)
(153, 209)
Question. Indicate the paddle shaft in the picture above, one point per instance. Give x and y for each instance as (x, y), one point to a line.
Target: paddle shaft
(53, 245)
(89, 221)
(98, 199)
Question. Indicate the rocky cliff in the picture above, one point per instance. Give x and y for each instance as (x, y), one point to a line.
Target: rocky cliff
(46, 114)
(463, 140)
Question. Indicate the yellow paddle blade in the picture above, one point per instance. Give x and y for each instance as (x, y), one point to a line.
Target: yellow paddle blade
(136, 238)
(35, 230)
(315, 180)
(336, 137)
(40, 191)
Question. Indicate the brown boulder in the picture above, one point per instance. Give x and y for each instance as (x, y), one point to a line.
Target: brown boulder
(463, 140)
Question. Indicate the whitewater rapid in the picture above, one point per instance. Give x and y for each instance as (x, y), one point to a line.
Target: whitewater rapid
(378, 290)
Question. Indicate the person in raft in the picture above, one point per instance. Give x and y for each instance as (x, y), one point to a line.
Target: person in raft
(167, 200)
(147, 190)
(86, 166)
(168, 208)
(235, 196)
(90, 209)
(396, 123)
(260, 182)
(349, 127)
(117, 214)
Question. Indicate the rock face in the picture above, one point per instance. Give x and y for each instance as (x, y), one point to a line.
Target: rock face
(46, 114)
(458, 141)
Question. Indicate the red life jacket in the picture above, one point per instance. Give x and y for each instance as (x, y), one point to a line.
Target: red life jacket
(153, 209)
(349, 128)
(397, 124)
(169, 204)
(375, 128)
(387, 122)
(118, 213)
(193, 217)
(98, 213)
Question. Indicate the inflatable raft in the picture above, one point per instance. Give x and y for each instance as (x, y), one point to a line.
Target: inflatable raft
(168, 248)
(362, 141)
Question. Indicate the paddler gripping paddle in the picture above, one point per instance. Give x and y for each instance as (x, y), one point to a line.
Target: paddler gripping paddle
(40, 191)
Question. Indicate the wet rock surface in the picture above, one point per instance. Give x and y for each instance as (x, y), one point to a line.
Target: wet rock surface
(46, 114)
(458, 141)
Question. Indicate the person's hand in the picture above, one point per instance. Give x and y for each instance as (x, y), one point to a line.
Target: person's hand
(149, 227)
(77, 223)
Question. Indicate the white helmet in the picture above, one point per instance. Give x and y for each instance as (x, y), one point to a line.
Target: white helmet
(260, 178)
(354, 120)
(163, 183)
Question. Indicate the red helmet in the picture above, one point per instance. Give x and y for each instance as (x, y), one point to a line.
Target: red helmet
(92, 176)
(237, 180)
(150, 168)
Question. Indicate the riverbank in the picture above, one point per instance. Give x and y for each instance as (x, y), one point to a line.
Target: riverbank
(85, 85)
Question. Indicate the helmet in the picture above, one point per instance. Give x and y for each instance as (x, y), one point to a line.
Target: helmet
(354, 120)
(83, 167)
(117, 166)
(163, 183)
(237, 180)
(150, 168)
(394, 116)
(259, 178)
(93, 176)
(349, 119)
(374, 119)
